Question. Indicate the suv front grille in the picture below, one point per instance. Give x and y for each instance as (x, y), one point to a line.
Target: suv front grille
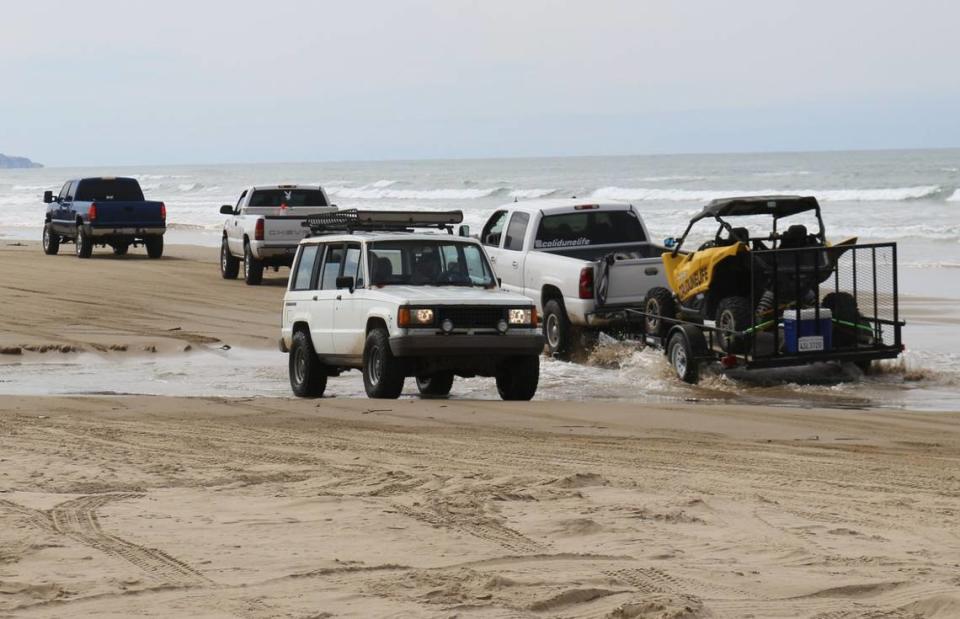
(472, 317)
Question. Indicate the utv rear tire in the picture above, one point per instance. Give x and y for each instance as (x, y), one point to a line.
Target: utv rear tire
(308, 377)
(84, 243)
(51, 240)
(252, 268)
(557, 332)
(229, 264)
(660, 308)
(733, 314)
(382, 372)
(121, 249)
(843, 308)
(154, 246)
(437, 385)
(518, 377)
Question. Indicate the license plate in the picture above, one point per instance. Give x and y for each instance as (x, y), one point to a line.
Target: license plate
(810, 342)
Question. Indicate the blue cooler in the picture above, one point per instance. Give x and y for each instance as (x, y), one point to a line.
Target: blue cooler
(803, 323)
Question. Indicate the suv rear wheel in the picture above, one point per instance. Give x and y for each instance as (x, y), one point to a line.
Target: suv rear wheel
(308, 377)
(517, 377)
(436, 384)
(382, 372)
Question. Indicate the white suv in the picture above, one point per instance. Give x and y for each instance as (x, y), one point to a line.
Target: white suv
(395, 303)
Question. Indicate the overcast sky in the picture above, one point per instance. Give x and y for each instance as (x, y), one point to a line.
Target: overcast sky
(103, 82)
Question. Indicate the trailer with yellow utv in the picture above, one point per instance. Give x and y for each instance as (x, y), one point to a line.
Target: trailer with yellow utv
(780, 296)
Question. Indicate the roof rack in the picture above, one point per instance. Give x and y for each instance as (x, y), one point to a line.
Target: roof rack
(350, 220)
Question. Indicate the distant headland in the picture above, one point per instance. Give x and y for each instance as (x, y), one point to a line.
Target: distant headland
(17, 162)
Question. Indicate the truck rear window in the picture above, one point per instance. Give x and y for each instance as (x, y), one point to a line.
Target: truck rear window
(589, 228)
(106, 189)
(290, 197)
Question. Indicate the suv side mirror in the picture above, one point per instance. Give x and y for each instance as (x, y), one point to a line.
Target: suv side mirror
(669, 242)
(47, 197)
(464, 230)
(345, 282)
(226, 209)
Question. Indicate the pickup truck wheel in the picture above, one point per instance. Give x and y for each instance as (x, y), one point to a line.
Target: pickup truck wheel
(308, 377)
(154, 246)
(121, 249)
(556, 328)
(659, 308)
(382, 372)
(517, 378)
(229, 264)
(84, 243)
(252, 268)
(435, 385)
(51, 241)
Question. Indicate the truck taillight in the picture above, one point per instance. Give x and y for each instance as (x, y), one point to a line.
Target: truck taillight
(163, 211)
(92, 212)
(586, 283)
(258, 231)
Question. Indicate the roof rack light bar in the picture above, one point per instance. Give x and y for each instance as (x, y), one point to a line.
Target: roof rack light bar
(348, 220)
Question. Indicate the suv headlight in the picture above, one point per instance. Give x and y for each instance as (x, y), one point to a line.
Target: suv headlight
(415, 317)
(522, 316)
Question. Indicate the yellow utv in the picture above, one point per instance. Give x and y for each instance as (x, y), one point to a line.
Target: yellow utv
(718, 282)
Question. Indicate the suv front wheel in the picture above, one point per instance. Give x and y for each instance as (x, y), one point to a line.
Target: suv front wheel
(308, 377)
(382, 372)
(517, 378)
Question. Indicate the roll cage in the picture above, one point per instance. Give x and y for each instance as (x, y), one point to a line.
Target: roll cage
(778, 207)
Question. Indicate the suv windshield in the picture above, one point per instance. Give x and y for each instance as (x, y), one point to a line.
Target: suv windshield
(105, 189)
(591, 227)
(289, 197)
(428, 263)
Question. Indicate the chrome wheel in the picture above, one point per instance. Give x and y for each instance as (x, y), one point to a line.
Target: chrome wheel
(653, 315)
(79, 241)
(376, 365)
(300, 366)
(46, 238)
(223, 257)
(678, 356)
(552, 329)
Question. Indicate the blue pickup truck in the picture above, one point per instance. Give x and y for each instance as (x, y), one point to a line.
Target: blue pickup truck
(103, 211)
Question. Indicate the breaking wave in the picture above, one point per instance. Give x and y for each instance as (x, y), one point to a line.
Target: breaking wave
(531, 194)
(895, 194)
(370, 192)
(955, 196)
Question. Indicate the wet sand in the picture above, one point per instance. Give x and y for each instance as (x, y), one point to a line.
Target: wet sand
(270, 507)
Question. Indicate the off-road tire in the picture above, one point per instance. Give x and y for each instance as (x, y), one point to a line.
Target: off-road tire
(734, 314)
(557, 331)
(843, 307)
(229, 264)
(382, 372)
(84, 243)
(684, 357)
(437, 385)
(154, 246)
(121, 249)
(308, 377)
(517, 377)
(660, 308)
(252, 268)
(51, 240)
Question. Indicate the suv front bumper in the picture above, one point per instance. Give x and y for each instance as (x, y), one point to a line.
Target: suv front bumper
(434, 344)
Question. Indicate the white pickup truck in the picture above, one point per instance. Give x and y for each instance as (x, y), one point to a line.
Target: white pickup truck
(368, 292)
(573, 257)
(265, 227)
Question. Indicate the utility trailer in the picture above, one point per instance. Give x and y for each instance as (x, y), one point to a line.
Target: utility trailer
(790, 305)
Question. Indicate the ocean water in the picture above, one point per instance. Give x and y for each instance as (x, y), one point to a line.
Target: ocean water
(912, 197)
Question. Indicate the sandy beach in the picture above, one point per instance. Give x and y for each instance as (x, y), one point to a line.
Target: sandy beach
(260, 507)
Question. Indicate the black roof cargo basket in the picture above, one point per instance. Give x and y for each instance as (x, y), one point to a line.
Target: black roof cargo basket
(351, 220)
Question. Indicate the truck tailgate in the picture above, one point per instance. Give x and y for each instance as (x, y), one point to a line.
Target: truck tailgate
(111, 213)
(630, 279)
(288, 228)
